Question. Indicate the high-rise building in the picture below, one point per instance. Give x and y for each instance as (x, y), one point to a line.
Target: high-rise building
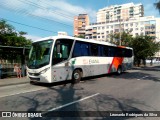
(80, 22)
(148, 25)
(117, 12)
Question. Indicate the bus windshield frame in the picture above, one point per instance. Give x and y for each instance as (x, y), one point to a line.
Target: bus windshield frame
(40, 53)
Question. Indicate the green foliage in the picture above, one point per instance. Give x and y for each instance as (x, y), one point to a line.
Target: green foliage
(157, 5)
(144, 47)
(80, 36)
(9, 36)
(126, 38)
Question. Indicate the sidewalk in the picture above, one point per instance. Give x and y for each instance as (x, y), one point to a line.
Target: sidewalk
(155, 67)
(13, 81)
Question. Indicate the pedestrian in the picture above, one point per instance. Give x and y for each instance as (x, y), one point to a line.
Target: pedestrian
(17, 70)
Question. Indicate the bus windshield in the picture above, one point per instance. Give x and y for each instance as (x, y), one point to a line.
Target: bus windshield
(39, 55)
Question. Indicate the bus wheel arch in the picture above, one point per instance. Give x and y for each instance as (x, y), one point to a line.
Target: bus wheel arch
(77, 75)
(119, 70)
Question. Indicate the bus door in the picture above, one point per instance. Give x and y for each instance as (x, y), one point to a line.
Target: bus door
(60, 64)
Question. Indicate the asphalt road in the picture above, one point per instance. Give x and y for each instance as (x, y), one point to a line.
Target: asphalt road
(134, 90)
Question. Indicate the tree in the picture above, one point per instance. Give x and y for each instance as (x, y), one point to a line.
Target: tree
(126, 38)
(80, 36)
(157, 5)
(144, 47)
(10, 37)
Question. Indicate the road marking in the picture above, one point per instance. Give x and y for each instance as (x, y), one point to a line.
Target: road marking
(65, 105)
(143, 77)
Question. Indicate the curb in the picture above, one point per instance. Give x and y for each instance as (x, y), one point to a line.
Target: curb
(9, 84)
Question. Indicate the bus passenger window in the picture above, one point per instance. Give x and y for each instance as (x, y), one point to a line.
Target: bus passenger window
(111, 52)
(94, 50)
(84, 49)
(77, 50)
(80, 49)
(105, 51)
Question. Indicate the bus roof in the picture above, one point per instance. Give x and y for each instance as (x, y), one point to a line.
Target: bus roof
(79, 39)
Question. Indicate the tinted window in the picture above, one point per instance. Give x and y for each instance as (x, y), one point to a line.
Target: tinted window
(104, 51)
(128, 53)
(94, 49)
(118, 52)
(81, 49)
(111, 51)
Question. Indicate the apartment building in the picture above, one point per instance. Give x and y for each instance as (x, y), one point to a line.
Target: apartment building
(80, 22)
(136, 26)
(117, 12)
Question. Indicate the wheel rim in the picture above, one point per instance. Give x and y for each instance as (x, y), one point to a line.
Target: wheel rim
(76, 76)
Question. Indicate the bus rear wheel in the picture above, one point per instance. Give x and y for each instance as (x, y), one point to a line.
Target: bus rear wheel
(119, 70)
(76, 76)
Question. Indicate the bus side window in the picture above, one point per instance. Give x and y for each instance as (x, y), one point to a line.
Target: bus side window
(128, 53)
(94, 49)
(80, 49)
(118, 52)
(123, 52)
(100, 52)
(77, 50)
(111, 52)
(105, 51)
(84, 49)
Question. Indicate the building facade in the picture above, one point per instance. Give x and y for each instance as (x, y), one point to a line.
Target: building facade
(80, 23)
(120, 12)
(136, 26)
(148, 25)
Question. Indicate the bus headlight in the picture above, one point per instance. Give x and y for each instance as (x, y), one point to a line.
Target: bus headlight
(43, 71)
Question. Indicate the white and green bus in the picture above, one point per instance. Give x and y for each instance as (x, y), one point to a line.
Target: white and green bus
(60, 58)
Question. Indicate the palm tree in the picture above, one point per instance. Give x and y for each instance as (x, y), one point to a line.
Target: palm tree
(157, 5)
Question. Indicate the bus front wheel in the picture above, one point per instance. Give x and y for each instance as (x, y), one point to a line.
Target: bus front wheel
(76, 77)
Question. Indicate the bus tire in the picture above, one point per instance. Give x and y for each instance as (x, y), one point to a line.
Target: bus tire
(119, 70)
(76, 76)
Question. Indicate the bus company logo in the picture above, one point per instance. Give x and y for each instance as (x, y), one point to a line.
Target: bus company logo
(85, 61)
(93, 61)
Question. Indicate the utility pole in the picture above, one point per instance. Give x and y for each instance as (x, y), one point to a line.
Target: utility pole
(120, 35)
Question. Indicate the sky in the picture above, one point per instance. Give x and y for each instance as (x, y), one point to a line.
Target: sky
(43, 18)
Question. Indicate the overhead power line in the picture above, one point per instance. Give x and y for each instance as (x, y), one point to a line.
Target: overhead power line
(71, 9)
(28, 25)
(5, 6)
(41, 7)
